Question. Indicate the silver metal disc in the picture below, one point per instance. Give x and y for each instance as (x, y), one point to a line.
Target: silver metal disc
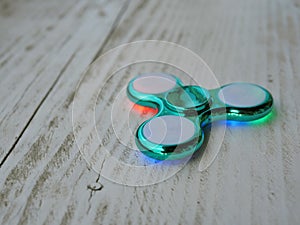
(243, 95)
(154, 83)
(169, 130)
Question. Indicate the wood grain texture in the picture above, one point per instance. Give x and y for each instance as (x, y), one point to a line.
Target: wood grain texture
(39, 41)
(255, 178)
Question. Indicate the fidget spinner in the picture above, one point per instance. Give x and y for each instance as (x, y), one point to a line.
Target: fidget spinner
(176, 131)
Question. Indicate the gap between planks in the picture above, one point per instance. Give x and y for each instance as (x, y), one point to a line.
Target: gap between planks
(98, 53)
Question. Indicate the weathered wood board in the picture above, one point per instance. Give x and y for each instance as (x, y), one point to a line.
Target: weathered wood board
(44, 51)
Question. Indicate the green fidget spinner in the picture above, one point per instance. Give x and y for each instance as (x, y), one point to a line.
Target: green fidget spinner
(176, 131)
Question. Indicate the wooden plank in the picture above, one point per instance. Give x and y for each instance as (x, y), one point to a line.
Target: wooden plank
(254, 179)
(39, 42)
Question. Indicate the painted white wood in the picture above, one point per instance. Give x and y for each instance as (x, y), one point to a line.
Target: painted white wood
(38, 41)
(255, 178)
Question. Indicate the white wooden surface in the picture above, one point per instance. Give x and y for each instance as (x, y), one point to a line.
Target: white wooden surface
(45, 46)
